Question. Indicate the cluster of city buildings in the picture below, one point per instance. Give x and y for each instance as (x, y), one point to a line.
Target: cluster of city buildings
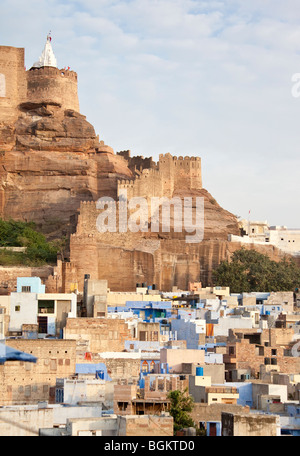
(261, 233)
(78, 359)
(105, 362)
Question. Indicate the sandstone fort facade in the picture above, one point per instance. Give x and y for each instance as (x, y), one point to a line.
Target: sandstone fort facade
(47, 85)
(163, 178)
(54, 167)
(13, 87)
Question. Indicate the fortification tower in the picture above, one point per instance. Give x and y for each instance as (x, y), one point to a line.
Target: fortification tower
(180, 173)
(46, 83)
(167, 169)
(187, 173)
(12, 82)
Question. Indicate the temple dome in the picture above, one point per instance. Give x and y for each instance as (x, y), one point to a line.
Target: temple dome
(47, 57)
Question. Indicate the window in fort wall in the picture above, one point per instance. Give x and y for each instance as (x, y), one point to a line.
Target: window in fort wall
(2, 86)
(53, 364)
(27, 391)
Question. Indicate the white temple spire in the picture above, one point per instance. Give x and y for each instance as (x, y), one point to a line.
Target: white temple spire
(47, 58)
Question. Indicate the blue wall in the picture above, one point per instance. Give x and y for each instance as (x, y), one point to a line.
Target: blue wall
(245, 392)
(218, 428)
(33, 282)
(151, 309)
(89, 368)
(153, 304)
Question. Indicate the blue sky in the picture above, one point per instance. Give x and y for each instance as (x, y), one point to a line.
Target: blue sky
(190, 77)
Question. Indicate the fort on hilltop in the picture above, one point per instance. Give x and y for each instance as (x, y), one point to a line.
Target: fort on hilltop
(54, 168)
(39, 113)
(13, 84)
(42, 83)
(162, 178)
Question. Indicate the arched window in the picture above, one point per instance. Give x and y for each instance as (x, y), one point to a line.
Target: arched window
(152, 365)
(145, 367)
(2, 86)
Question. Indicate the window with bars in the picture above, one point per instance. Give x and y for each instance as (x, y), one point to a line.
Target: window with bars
(26, 289)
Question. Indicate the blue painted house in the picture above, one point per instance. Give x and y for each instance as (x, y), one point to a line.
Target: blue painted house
(98, 369)
(30, 285)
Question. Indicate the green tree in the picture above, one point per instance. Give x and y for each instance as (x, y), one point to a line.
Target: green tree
(181, 405)
(249, 270)
(21, 234)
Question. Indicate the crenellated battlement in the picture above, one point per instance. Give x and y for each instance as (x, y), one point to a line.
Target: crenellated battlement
(148, 172)
(168, 174)
(168, 156)
(88, 203)
(47, 83)
(124, 183)
(163, 158)
(53, 85)
(40, 84)
(125, 154)
(180, 172)
(36, 72)
(174, 164)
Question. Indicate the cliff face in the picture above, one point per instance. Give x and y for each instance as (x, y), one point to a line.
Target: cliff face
(218, 222)
(53, 168)
(50, 161)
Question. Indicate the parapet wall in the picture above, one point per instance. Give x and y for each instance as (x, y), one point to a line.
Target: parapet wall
(137, 163)
(149, 183)
(46, 84)
(162, 179)
(173, 158)
(49, 84)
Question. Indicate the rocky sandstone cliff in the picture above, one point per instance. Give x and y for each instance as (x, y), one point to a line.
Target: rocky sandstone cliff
(53, 169)
(50, 160)
(52, 163)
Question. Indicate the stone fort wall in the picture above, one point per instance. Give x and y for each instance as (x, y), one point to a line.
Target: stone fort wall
(100, 334)
(49, 84)
(125, 259)
(182, 172)
(137, 163)
(29, 383)
(13, 85)
(171, 173)
(38, 85)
